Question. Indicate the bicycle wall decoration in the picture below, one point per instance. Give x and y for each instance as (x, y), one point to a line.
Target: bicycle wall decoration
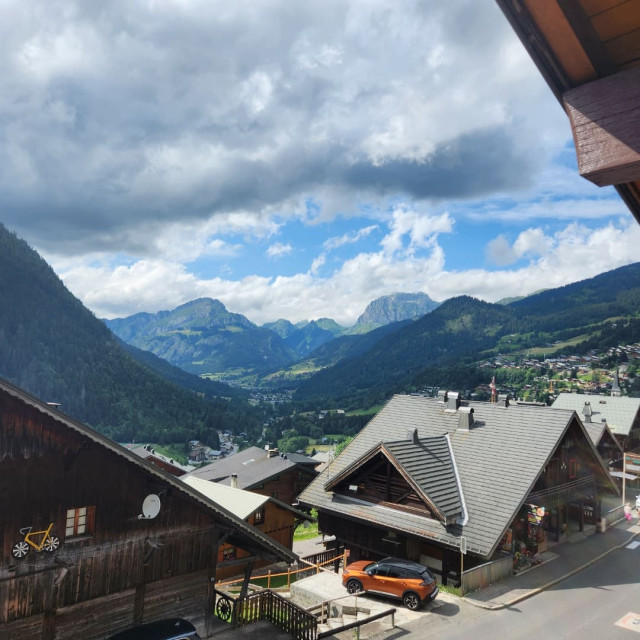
(38, 540)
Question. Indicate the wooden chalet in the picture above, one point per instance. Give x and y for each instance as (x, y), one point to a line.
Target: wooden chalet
(274, 518)
(425, 472)
(264, 471)
(95, 539)
(588, 51)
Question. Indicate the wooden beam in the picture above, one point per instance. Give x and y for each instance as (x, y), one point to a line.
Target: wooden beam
(587, 37)
(605, 120)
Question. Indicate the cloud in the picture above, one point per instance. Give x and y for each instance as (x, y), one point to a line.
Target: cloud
(349, 238)
(278, 250)
(530, 243)
(120, 121)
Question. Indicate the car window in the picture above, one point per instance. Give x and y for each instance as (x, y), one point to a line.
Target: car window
(396, 572)
(379, 571)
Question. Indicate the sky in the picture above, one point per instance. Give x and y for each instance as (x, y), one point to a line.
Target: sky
(293, 160)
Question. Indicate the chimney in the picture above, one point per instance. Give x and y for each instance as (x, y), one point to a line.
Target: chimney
(413, 436)
(587, 412)
(453, 401)
(234, 480)
(442, 396)
(503, 400)
(272, 453)
(466, 418)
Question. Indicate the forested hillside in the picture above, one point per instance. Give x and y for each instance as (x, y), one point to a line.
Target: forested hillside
(441, 347)
(53, 347)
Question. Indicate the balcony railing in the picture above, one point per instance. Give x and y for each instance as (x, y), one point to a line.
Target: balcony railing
(267, 605)
(563, 493)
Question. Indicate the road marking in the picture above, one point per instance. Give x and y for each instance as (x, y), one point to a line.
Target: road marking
(631, 621)
(633, 545)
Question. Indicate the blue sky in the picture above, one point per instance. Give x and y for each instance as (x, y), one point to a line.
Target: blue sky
(293, 160)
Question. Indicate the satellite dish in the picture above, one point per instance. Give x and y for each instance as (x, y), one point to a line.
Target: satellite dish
(150, 507)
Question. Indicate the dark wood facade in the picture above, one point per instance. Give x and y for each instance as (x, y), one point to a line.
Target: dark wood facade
(112, 569)
(274, 521)
(287, 485)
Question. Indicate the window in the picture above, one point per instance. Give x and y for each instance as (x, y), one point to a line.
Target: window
(258, 516)
(80, 522)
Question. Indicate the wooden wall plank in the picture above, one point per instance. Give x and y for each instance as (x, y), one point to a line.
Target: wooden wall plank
(618, 20)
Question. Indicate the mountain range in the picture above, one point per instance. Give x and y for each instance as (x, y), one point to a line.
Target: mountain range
(52, 346)
(204, 338)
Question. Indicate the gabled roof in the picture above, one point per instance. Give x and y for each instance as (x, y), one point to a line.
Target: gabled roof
(427, 466)
(253, 466)
(619, 412)
(243, 534)
(498, 461)
(238, 501)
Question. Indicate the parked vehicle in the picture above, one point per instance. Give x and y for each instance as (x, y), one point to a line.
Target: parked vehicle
(170, 629)
(402, 579)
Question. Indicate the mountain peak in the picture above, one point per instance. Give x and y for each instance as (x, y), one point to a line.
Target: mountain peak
(396, 307)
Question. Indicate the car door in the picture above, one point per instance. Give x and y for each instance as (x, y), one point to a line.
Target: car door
(377, 579)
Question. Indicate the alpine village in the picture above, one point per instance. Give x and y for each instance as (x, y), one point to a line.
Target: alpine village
(171, 466)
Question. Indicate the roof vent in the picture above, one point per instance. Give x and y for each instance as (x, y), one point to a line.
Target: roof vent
(442, 395)
(466, 418)
(453, 401)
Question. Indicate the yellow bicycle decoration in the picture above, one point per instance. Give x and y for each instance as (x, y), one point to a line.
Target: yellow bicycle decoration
(38, 540)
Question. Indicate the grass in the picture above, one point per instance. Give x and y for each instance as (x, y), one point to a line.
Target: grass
(305, 533)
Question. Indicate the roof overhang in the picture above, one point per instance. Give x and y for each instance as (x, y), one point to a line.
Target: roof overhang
(585, 49)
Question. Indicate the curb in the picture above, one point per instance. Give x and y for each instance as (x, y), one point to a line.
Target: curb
(497, 606)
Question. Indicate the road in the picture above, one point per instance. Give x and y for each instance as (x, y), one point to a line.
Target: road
(586, 606)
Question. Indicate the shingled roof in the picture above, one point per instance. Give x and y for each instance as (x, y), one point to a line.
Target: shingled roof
(619, 413)
(426, 464)
(253, 466)
(498, 461)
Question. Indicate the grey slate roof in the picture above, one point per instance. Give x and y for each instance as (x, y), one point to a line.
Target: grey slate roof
(498, 462)
(430, 464)
(253, 467)
(618, 412)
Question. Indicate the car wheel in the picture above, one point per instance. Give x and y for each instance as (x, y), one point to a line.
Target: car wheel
(354, 586)
(411, 600)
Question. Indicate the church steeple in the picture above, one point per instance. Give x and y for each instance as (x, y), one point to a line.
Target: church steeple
(615, 387)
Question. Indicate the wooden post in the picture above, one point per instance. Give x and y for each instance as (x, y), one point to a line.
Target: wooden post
(269, 579)
(288, 577)
(209, 614)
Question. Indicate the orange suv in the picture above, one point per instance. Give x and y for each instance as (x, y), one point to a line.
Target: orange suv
(405, 580)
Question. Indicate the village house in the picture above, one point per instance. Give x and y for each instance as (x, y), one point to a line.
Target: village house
(96, 539)
(274, 518)
(264, 471)
(427, 475)
(620, 413)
